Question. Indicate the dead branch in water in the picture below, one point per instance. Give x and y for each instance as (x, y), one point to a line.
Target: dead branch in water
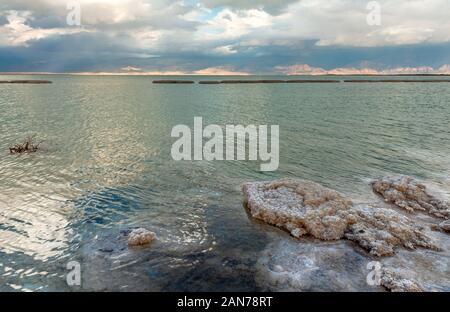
(26, 147)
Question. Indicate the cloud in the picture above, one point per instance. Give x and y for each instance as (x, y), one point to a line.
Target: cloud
(248, 36)
(304, 69)
(270, 6)
(131, 73)
(219, 71)
(300, 69)
(225, 50)
(230, 24)
(16, 32)
(161, 14)
(328, 22)
(131, 68)
(344, 22)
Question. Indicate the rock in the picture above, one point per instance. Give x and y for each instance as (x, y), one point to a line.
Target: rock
(300, 207)
(407, 193)
(380, 230)
(278, 268)
(397, 282)
(106, 249)
(445, 226)
(140, 236)
(304, 207)
(312, 265)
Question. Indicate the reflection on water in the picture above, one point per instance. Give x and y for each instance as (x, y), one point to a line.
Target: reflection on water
(36, 229)
(105, 167)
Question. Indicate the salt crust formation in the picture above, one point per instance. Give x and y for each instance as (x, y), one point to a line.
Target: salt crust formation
(140, 236)
(407, 193)
(304, 207)
(397, 282)
(445, 226)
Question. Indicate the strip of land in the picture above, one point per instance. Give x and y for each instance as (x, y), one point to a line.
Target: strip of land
(209, 82)
(311, 81)
(249, 81)
(173, 81)
(398, 80)
(253, 81)
(26, 81)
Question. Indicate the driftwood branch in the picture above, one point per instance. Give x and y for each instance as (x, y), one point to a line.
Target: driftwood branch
(29, 146)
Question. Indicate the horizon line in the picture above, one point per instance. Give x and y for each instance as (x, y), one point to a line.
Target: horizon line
(194, 74)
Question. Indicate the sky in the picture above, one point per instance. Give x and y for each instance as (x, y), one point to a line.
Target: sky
(225, 36)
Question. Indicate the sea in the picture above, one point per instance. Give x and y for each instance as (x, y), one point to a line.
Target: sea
(104, 167)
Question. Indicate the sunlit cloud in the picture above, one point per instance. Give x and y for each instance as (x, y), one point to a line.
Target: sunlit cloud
(17, 33)
(219, 71)
(304, 69)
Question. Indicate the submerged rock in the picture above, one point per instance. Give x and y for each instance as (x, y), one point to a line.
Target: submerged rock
(304, 207)
(140, 236)
(312, 265)
(380, 230)
(397, 282)
(445, 226)
(410, 195)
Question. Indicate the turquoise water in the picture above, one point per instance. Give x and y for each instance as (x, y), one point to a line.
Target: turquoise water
(105, 166)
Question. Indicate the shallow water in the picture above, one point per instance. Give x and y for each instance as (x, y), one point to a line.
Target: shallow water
(105, 167)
